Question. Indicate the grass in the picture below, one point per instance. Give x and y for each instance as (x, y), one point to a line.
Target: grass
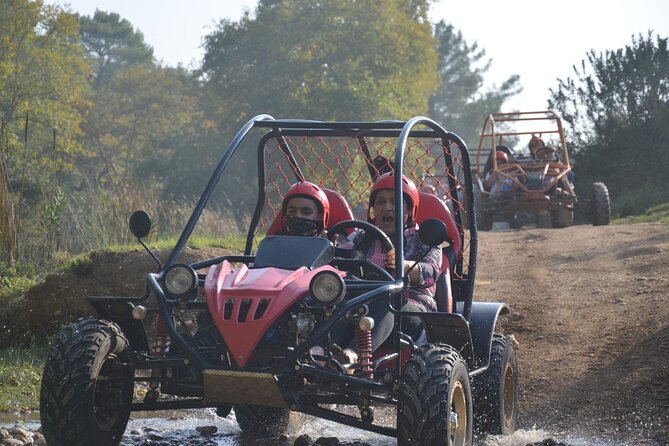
(659, 213)
(20, 377)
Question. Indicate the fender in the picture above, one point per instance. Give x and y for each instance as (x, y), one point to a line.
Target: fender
(119, 310)
(482, 326)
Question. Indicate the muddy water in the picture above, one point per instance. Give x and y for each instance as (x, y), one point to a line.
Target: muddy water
(182, 427)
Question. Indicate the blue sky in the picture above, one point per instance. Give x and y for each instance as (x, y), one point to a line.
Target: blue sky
(538, 40)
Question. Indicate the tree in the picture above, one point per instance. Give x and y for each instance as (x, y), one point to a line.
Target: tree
(618, 108)
(325, 60)
(460, 103)
(42, 78)
(344, 60)
(135, 120)
(112, 43)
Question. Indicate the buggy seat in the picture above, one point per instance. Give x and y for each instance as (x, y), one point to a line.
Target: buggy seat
(431, 206)
(339, 211)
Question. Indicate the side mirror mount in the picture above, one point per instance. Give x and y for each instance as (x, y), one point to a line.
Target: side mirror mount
(433, 232)
(140, 224)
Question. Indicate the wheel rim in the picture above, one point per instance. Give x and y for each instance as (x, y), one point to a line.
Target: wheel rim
(508, 405)
(109, 393)
(457, 416)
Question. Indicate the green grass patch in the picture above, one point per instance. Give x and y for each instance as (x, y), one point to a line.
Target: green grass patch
(20, 377)
(659, 213)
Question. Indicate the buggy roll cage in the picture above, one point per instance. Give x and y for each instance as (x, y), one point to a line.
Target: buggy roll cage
(280, 129)
(494, 132)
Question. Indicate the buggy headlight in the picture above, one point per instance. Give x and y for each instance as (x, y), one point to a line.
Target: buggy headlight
(180, 279)
(327, 288)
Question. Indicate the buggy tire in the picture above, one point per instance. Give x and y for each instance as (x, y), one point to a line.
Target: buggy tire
(600, 204)
(483, 218)
(261, 421)
(495, 391)
(435, 399)
(562, 218)
(86, 388)
(543, 219)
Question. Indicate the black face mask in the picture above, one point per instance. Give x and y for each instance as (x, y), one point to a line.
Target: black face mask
(302, 226)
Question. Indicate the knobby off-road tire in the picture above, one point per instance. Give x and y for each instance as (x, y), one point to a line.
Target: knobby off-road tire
(435, 399)
(86, 388)
(483, 219)
(600, 204)
(495, 391)
(262, 422)
(562, 218)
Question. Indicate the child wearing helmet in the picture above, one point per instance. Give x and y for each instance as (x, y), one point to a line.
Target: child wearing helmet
(494, 181)
(422, 263)
(305, 210)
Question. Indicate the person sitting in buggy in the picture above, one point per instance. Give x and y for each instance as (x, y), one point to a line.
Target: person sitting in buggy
(422, 263)
(493, 181)
(305, 210)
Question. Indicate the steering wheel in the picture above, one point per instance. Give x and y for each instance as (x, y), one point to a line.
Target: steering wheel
(372, 233)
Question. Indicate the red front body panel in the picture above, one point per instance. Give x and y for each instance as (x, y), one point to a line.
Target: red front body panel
(254, 300)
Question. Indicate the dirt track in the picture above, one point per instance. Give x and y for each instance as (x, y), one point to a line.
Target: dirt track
(589, 309)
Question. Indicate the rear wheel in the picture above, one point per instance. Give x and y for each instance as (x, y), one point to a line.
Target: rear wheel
(435, 399)
(543, 219)
(495, 391)
(87, 387)
(600, 204)
(261, 421)
(562, 218)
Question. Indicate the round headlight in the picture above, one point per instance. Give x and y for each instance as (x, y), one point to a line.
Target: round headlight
(180, 279)
(328, 288)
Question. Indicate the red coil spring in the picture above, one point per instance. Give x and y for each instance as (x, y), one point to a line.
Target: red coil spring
(364, 340)
(161, 339)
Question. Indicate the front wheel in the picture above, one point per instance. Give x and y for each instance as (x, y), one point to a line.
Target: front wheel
(495, 391)
(435, 399)
(483, 217)
(87, 386)
(600, 204)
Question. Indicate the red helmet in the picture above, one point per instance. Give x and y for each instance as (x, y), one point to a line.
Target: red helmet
(409, 190)
(306, 189)
(501, 156)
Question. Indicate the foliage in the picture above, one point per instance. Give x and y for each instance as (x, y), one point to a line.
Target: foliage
(460, 104)
(20, 377)
(42, 79)
(618, 108)
(134, 122)
(345, 60)
(112, 43)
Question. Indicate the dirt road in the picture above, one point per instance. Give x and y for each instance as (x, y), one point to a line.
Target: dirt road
(589, 309)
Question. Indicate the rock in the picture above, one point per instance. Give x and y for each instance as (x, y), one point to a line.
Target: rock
(328, 441)
(12, 442)
(302, 440)
(207, 430)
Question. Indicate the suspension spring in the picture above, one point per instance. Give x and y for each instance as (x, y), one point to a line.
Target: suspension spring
(364, 340)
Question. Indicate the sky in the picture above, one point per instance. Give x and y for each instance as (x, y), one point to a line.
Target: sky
(538, 40)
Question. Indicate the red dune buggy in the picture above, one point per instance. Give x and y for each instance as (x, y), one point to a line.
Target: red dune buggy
(238, 331)
(537, 187)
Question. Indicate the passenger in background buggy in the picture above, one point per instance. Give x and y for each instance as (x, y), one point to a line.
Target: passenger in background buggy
(495, 182)
(305, 210)
(422, 263)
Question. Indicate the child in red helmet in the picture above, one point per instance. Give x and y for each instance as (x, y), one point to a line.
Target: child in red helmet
(305, 210)
(422, 275)
(495, 182)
